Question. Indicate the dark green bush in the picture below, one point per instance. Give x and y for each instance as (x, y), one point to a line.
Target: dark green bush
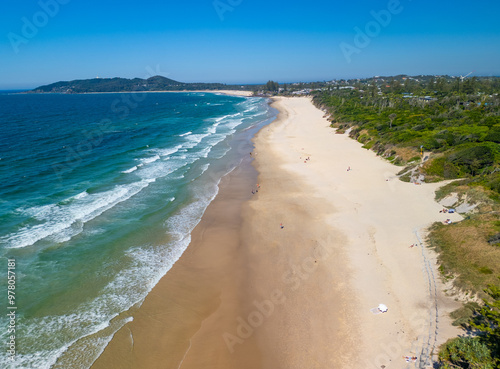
(490, 121)
(494, 184)
(419, 127)
(432, 144)
(493, 135)
(472, 159)
(466, 352)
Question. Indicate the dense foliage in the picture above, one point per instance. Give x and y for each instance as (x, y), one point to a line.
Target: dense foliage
(459, 121)
(272, 86)
(487, 321)
(483, 350)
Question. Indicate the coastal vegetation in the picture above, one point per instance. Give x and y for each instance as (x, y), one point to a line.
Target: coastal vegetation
(481, 349)
(440, 128)
(272, 86)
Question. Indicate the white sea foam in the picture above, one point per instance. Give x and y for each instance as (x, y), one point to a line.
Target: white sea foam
(133, 169)
(222, 153)
(225, 117)
(80, 325)
(162, 169)
(227, 122)
(168, 151)
(181, 224)
(217, 137)
(185, 134)
(150, 159)
(81, 195)
(62, 222)
(194, 140)
(212, 129)
(204, 153)
(234, 123)
(251, 108)
(204, 168)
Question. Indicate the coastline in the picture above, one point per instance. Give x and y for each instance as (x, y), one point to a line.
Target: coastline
(248, 293)
(376, 218)
(223, 92)
(202, 285)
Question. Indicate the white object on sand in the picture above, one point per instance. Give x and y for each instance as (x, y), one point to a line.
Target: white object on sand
(382, 308)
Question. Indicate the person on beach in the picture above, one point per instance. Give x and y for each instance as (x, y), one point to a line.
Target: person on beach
(282, 226)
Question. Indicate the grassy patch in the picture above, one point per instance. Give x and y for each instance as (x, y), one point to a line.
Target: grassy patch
(406, 169)
(471, 192)
(464, 251)
(462, 315)
(368, 145)
(405, 178)
(363, 138)
(456, 186)
(407, 153)
(478, 195)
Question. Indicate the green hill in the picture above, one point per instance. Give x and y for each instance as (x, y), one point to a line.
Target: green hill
(156, 83)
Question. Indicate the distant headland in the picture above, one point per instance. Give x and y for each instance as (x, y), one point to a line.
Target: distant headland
(156, 83)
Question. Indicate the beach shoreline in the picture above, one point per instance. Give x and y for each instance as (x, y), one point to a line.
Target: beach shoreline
(289, 277)
(242, 93)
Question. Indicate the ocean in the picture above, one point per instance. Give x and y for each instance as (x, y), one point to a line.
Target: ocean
(99, 194)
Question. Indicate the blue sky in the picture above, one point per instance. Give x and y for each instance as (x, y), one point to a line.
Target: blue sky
(245, 41)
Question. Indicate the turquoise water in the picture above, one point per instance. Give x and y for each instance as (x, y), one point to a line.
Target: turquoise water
(98, 196)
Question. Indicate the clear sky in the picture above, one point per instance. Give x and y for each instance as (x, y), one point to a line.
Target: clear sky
(244, 41)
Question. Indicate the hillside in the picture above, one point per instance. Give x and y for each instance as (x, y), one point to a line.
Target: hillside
(156, 83)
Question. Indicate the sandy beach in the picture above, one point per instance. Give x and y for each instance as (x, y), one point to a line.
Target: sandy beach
(222, 92)
(290, 277)
(231, 92)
